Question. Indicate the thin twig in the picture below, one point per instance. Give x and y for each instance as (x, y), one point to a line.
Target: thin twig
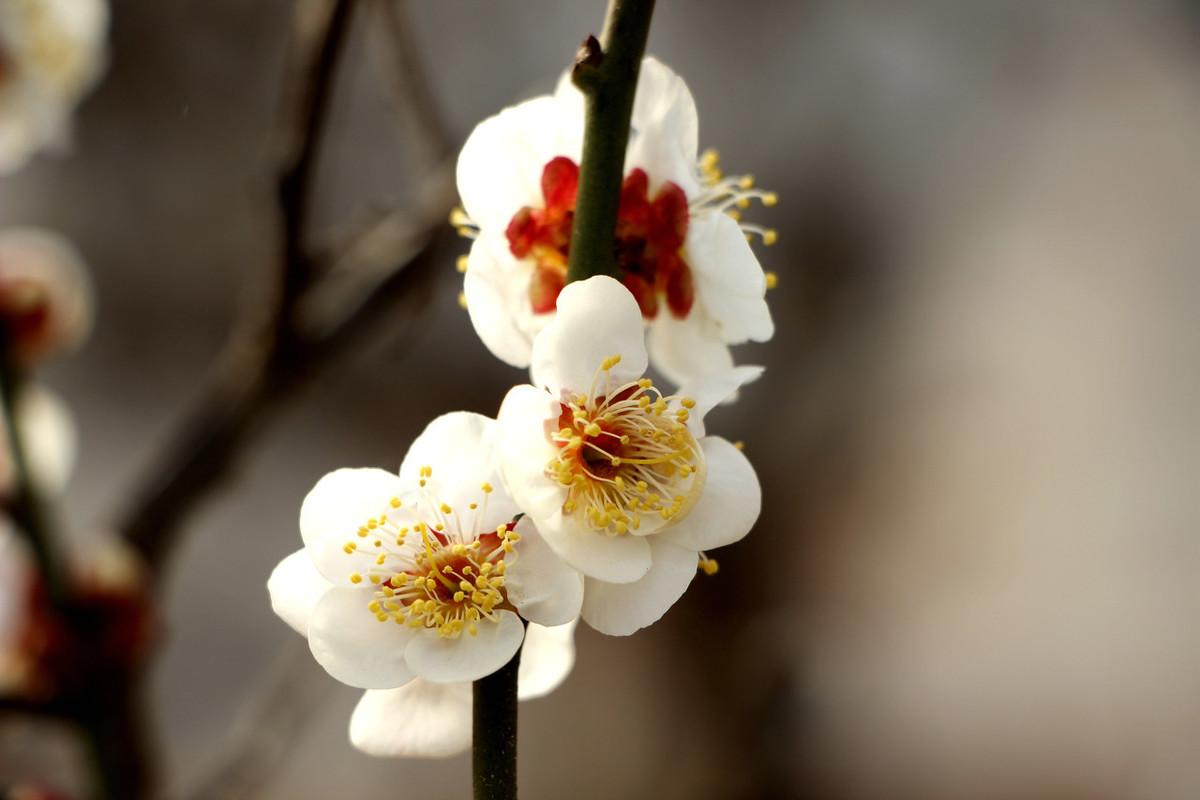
(411, 82)
(494, 733)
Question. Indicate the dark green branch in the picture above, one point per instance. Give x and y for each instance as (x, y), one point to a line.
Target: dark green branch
(606, 72)
(494, 733)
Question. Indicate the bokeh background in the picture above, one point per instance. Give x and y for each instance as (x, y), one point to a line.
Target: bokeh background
(976, 572)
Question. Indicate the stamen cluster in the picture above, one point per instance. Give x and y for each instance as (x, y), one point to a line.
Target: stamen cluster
(434, 572)
(625, 452)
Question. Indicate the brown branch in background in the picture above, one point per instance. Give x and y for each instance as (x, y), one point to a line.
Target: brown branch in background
(313, 318)
(410, 80)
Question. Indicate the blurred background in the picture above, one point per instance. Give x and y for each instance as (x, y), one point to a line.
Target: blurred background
(976, 572)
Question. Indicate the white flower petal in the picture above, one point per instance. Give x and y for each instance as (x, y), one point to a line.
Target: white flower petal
(500, 166)
(729, 505)
(497, 291)
(541, 585)
(665, 137)
(466, 658)
(353, 646)
(335, 509)
(421, 719)
(729, 280)
(597, 318)
(617, 559)
(525, 451)
(460, 447)
(546, 659)
(621, 609)
(296, 587)
(685, 349)
(708, 391)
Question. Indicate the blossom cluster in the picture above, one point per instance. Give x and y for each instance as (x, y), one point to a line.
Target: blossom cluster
(596, 493)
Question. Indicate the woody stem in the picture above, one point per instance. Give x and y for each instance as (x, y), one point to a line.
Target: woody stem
(606, 71)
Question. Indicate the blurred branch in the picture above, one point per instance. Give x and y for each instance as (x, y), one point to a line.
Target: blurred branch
(410, 80)
(312, 319)
(267, 730)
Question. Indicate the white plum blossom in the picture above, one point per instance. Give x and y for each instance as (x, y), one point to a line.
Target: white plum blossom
(620, 479)
(51, 53)
(680, 247)
(433, 720)
(45, 293)
(421, 574)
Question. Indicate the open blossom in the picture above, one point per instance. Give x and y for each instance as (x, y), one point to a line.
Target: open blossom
(51, 53)
(619, 478)
(45, 293)
(421, 574)
(680, 248)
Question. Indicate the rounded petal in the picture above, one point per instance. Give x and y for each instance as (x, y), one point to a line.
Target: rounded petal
(296, 587)
(460, 447)
(543, 587)
(466, 658)
(708, 391)
(546, 659)
(729, 505)
(621, 609)
(686, 349)
(729, 280)
(597, 318)
(421, 719)
(665, 136)
(355, 647)
(497, 290)
(500, 166)
(525, 451)
(335, 509)
(617, 559)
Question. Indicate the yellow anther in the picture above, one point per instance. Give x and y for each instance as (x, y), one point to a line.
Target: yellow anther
(373, 606)
(380, 559)
(472, 506)
(770, 236)
(746, 182)
(459, 217)
(427, 471)
(349, 547)
(445, 509)
(770, 199)
(462, 300)
(646, 383)
(375, 579)
(355, 577)
(709, 566)
(687, 402)
(739, 444)
(743, 203)
(682, 415)
(395, 503)
(487, 488)
(372, 524)
(592, 429)
(461, 264)
(772, 280)
(459, 597)
(362, 532)
(610, 362)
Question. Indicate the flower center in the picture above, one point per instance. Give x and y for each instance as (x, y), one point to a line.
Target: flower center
(626, 455)
(431, 569)
(649, 238)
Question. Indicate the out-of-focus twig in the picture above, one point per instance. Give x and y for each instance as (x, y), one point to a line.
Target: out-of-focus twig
(410, 81)
(267, 728)
(267, 359)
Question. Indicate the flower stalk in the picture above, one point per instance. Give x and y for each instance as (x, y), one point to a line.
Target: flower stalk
(606, 71)
(494, 733)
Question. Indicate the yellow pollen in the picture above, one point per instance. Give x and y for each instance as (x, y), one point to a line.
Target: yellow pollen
(461, 264)
(770, 199)
(462, 300)
(770, 236)
(772, 280)
(355, 577)
(487, 488)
